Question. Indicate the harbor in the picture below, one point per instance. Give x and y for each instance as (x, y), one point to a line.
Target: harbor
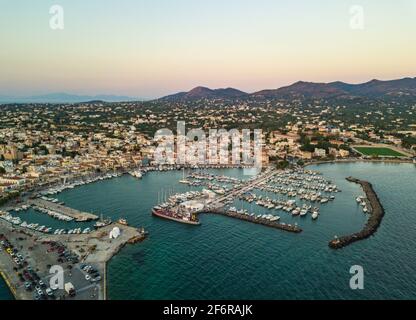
(305, 186)
(243, 221)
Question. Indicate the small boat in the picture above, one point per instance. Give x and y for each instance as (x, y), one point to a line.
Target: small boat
(122, 221)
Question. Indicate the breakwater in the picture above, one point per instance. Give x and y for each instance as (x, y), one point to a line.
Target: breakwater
(373, 223)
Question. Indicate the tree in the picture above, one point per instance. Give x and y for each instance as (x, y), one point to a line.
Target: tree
(281, 165)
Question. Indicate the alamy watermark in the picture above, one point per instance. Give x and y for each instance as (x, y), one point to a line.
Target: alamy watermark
(357, 19)
(56, 21)
(57, 280)
(220, 147)
(357, 280)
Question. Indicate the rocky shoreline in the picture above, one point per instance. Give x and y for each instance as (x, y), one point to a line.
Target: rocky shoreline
(373, 223)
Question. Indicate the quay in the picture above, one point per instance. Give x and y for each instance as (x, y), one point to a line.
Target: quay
(376, 216)
(77, 215)
(260, 221)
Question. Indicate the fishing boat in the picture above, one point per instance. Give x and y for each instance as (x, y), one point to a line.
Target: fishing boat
(102, 223)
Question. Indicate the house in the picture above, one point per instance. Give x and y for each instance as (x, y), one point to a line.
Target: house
(344, 153)
(320, 153)
(306, 155)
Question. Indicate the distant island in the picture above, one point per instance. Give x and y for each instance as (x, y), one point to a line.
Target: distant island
(65, 98)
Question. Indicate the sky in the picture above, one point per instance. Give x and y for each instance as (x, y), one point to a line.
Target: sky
(151, 48)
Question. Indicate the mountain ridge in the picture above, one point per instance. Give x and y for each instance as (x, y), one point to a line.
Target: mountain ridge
(307, 90)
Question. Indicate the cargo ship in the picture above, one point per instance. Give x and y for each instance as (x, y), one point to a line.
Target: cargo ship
(171, 215)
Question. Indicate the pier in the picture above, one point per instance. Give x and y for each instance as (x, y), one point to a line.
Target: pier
(260, 221)
(237, 192)
(373, 223)
(216, 205)
(77, 215)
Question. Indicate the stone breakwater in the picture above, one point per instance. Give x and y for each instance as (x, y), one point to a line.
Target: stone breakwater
(373, 223)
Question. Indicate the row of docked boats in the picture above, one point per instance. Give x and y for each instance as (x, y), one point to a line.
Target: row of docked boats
(22, 208)
(136, 174)
(81, 182)
(17, 221)
(268, 217)
(212, 177)
(283, 205)
(363, 202)
(54, 214)
(305, 179)
(72, 231)
(178, 198)
(303, 194)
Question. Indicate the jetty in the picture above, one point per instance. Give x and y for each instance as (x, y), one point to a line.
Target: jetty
(260, 221)
(376, 216)
(77, 215)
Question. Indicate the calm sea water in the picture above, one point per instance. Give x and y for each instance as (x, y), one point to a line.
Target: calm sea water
(231, 259)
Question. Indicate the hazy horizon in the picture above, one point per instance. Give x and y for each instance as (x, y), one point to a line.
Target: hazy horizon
(150, 49)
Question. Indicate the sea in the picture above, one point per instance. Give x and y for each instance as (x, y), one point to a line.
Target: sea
(226, 258)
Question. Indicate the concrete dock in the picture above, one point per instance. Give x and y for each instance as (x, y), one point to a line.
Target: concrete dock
(77, 215)
(260, 221)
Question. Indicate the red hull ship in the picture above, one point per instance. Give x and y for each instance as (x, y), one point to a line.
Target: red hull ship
(170, 215)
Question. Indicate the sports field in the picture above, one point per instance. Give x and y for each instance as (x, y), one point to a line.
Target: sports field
(376, 151)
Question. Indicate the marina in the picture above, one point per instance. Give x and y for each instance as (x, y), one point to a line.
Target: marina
(220, 191)
(232, 214)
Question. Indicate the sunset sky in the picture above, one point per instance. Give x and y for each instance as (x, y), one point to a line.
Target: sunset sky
(150, 48)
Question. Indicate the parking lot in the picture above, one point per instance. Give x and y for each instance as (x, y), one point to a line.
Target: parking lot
(27, 262)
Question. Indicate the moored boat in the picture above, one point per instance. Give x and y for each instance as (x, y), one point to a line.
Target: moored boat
(171, 215)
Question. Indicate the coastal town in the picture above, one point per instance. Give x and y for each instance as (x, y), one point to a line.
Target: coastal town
(45, 144)
(46, 149)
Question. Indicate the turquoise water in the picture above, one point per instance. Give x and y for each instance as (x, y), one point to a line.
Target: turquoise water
(231, 259)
